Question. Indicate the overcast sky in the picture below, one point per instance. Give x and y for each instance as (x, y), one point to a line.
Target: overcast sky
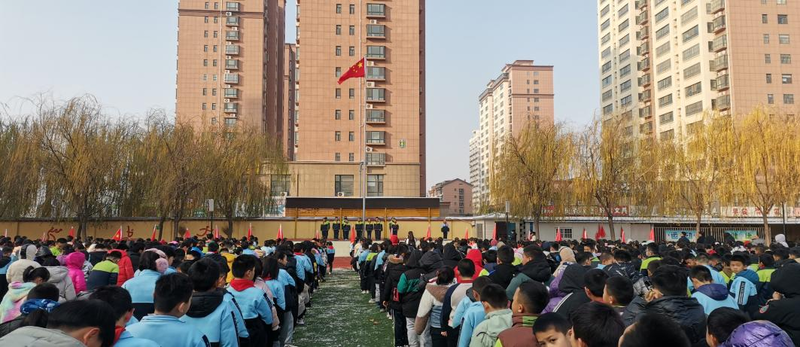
(124, 53)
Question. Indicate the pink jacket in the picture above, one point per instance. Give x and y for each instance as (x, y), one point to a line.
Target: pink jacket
(75, 262)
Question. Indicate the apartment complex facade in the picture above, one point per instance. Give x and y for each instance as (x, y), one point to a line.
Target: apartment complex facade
(380, 119)
(667, 64)
(289, 90)
(522, 94)
(455, 197)
(230, 58)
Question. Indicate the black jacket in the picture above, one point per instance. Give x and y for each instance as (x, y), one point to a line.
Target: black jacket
(135, 256)
(203, 304)
(451, 256)
(96, 257)
(686, 311)
(394, 269)
(785, 313)
(503, 274)
(537, 270)
(410, 300)
(571, 302)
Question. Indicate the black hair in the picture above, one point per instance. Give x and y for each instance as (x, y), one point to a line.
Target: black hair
(657, 331)
(595, 281)
(741, 258)
(495, 296)
(270, 269)
(549, 321)
(652, 247)
(723, 321)
(701, 273)
(204, 274)
(185, 266)
(44, 291)
(781, 252)
(30, 274)
(114, 254)
(533, 252)
(767, 260)
(147, 261)
(79, 314)
(466, 268)
(621, 289)
(480, 283)
(582, 257)
(490, 256)
(670, 280)
(243, 263)
(653, 266)
(598, 325)
(445, 275)
(172, 290)
(534, 296)
(119, 299)
(213, 247)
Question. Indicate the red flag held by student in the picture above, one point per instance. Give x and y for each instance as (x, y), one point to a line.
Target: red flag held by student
(280, 232)
(216, 233)
(622, 234)
(601, 233)
(187, 234)
(71, 232)
(494, 233)
(358, 70)
(250, 232)
(118, 235)
(558, 235)
(652, 235)
(428, 235)
(585, 237)
(466, 234)
(352, 235)
(155, 229)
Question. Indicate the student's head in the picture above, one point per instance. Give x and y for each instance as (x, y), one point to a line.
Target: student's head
(594, 282)
(622, 256)
(606, 258)
(531, 252)
(147, 261)
(721, 323)
(120, 301)
(43, 291)
(204, 274)
(173, 294)
(466, 268)
(37, 275)
(651, 250)
(89, 321)
(114, 256)
(595, 325)
(551, 329)
(479, 285)
(700, 276)
(244, 266)
(618, 291)
(670, 280)
(494, 298)
(530, 298)
(739, 263)
(270, 268)
(766, 261)
(505, 255)
(445, 275)
(583, 258)
(653, 266)
(654, 330)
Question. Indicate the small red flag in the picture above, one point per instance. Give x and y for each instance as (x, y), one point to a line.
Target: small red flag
(216, 233)
(558, 235)
(466, 234)
(153, 237)
(280, 232)
(622, 234)
(584, 234)
(118, 235)
(428, 235)
(352, 235)
(71, 232)
(250, 232)
(358, 70)
(652, 234)
(187, 234)
(494, 233)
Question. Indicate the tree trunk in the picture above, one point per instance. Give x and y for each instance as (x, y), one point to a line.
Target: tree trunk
(699, 220)
(611, 227)
(230, 225)
(161, 221)
(767, 232)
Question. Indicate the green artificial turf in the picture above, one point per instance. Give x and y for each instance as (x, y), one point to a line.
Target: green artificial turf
(341, 316)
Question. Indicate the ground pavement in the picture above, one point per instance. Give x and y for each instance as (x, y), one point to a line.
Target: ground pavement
(340, 316)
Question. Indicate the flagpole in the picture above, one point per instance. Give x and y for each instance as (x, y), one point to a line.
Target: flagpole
(363, 82)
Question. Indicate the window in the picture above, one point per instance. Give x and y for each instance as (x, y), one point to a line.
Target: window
(664, 66)
(352, 9)
(691, 52)
(338, 29)
(204, 91)
(375, 30)
(214, 62)
(607, 109)
(770, 99)
(767, 59)
(607, 81)
(764, 18)
(376, 94)
(376, 9)
(351, 157)
(204, 106)
(215, 19)
(691, 33)
(374, 185)
(786, 58)
(624, 25)
(665, 100)
(205, 62)
(338, 51)
(604, 11)
(605, 39)
(337, 115)
(625, 71)
(626, 101)
(695, 108)
(788, 99)
(205, 33)
(338, 8)
(783, 19)
(376, 73)
(625, 55)
(786, 78)
(664, 31)
(625, 86)
(338, 71)
(783, 39)
(769, 78)
(607, 95)
(280, 184)
(605, 25)
(665, 83)
(624, 40)
(351, 136)
(352, 30)
(606, 67)
(351, 93)
(694, 89)
(766, 39)
(781, 2)
(606, 53)
(662, 15)
(691, 71)
(205, 48)
(566, 233)
(376, 137)
(351, 115)
(665, 118)
(213, 106)
(231, 122)
(206, 7)
(205, 19)
(205, 77)
(216, 5)
(376, 52)
(623, 11)
(337, 136)
(689, 15)
(216, 33)
(663, 49)
(337, 156)
(338, 93)
(352, 51)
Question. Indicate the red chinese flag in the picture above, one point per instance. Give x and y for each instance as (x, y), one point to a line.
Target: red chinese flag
(494, 232)
(187, 235)
(466, 234)
(622, 234)
(428, 235)
(118, 235)
(584, 234)
(652, 235)
(558, 235)
(153, 237)
(71, 232)
(358, 70)
(250, 232)
(280, 232)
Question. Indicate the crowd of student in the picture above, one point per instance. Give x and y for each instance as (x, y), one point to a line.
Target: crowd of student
(210, 292)
(583, 293)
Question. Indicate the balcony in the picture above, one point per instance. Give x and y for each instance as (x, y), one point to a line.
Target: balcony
(720, 63)
(376, 159)
(644, 33)
(375, 73)
(231, 107)
(722, 83)
(232, 35)
(720, 43)
(376, 117)
(643, 49)
(645, 96)
(376, 11)
(232, 21)
(646, 128)
(645, 80)
(231, 64)
(717, 6)
(641, 4)
(232, 50)
(643, 18)
(376, 138)
(723, 102)
(376, 52)
(376, 31)
(376, 95)
(231, 78)
(644, 65)
(232, 7)
(231, 93)
(718, 24)
(645, 112)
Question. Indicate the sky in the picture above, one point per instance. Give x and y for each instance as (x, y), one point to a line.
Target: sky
(125, 55)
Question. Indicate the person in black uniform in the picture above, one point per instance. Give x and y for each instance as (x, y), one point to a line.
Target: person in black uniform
(369, 227)
(336, 227)
(324, 227)
(394, 227)
(445, 229)
(359, 229)
(378, 227)
(345, 229)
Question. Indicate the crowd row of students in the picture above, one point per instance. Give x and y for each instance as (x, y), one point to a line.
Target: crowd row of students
(583, 293)
(142, 293)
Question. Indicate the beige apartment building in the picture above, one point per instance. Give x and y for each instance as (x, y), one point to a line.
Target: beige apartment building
(666, 63)
(380, 119)
(455, 197)
(230, 63)
(523, 93)
(286, 132)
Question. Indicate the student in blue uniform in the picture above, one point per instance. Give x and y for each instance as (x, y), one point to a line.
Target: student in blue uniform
(120, 301)
(141, 286)
(256, 309)
(208, 312)
(173, 297)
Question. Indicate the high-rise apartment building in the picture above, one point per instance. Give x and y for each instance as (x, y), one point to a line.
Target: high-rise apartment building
(289, 83)
(455, 197)
(474, 161)
(523, 93)
(380, 119)
(230, 63)
(666, 63)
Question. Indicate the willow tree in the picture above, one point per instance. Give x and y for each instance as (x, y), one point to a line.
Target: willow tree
(532, 171)
(19, 169)
(698, 163)
(768, 158)
(604, 166)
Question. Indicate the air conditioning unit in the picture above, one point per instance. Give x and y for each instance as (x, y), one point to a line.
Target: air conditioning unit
(370, 63)
(370, 84)
(226, 100)
(284, 194)
(228, 14)
(373, 21)
(340, 194)
(369, 106)
(369, 149)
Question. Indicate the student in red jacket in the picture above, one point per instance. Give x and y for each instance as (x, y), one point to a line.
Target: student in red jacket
(125, 265)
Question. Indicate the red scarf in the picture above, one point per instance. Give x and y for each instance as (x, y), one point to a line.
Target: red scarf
(117, 332)
(240, 284)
